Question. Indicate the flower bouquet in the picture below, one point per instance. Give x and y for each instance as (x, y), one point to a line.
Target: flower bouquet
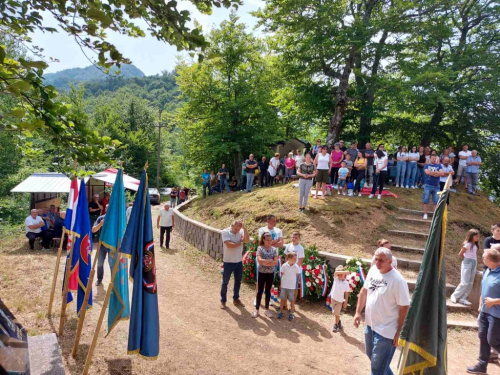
(249, 254)
(317, 277)
(358, 270)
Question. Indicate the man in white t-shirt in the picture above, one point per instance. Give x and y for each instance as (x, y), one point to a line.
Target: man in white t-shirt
(387, 299)
(276, 233)
(462, 165)
(165, 222)
(233, 239)
(33, 226)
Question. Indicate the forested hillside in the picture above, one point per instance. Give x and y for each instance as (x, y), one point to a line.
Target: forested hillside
(63, 79)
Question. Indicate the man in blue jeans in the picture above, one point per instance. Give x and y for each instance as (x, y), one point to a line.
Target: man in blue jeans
(233, 239)
(433, 172)
(223, 175)
(205, 177)
(387, 299)
(489, 317)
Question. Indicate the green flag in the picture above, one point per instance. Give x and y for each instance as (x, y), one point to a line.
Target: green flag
(425, 327)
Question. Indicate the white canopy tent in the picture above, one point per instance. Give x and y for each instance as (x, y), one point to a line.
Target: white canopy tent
(45, 188)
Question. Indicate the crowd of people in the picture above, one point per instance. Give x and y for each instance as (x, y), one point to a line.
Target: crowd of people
(352, 171)
(385, 296)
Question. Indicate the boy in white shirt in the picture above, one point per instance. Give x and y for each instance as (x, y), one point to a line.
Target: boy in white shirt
(339, 295)
(298, 249)
(289, 272)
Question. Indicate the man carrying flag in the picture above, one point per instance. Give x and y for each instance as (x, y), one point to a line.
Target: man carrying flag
(425, 329)
(137, 244)
(110, 240)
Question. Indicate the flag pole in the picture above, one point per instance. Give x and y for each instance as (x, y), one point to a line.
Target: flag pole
(56, 272)
(101, 316)
(65, 290)
(404, 357)
(83, 309)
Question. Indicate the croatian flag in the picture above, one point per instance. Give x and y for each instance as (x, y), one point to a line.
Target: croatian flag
(361, 274)
(69, 224)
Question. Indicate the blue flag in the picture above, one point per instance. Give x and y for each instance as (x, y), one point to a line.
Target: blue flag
(83, 247)
(112, 233)
(138, 245)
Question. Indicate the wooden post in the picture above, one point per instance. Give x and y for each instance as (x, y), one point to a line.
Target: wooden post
(101, 316)
(404, 357)
(83, 310)
(56, 272)
(65, 290)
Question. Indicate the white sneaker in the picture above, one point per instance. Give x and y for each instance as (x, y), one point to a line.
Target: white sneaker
(463, 301)
(379, 196)
(338, 192)
(413, 187)
(407, 187)
(269, 314)
(425, 217)
(370, 196)
(359, 195)
(344, 193)
(397, 185)
(453, 299)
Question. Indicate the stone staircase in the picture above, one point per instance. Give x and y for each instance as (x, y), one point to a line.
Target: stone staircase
(408, 242)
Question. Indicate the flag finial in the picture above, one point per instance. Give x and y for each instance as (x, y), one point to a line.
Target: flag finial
(146, 166)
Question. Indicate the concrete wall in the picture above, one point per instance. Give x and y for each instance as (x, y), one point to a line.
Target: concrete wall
(201, 236)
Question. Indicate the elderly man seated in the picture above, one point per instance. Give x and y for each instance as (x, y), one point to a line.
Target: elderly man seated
(33, 225)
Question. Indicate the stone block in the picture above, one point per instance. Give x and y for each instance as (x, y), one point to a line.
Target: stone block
(45, 355)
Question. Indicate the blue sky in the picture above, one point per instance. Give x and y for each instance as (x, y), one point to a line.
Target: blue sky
(148, 54)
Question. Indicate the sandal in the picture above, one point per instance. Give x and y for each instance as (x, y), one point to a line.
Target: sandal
(255, 314)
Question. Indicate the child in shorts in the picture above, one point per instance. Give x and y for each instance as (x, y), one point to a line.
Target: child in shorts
(339, 295)
(342, 181)
(289, 272)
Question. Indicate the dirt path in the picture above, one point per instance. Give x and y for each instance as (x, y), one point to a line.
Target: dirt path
(197, 337)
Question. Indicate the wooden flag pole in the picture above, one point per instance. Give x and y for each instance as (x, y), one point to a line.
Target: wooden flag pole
(404, 357)
(65, 290)
(83, 310)
(101, 316)
(56, 272)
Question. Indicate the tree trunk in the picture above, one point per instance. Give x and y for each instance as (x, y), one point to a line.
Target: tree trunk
(340, 101)
(237, 166)
(437, 117)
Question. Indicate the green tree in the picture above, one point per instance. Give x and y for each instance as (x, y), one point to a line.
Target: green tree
(227, 114)
(37, 108)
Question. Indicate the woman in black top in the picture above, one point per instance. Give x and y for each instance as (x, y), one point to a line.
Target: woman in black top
(307, 171)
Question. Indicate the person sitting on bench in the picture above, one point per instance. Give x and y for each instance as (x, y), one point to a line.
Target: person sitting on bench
(33, 225)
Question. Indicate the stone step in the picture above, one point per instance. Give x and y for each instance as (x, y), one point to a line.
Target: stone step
(457, 307)
(463, 324)
(413, 220)
(414, 212)
(404, 233)
(449, 287)
(407, 248)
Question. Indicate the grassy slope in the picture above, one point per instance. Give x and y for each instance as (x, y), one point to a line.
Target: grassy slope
(347, 225)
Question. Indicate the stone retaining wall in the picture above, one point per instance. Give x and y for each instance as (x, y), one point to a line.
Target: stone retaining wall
(201, 236)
